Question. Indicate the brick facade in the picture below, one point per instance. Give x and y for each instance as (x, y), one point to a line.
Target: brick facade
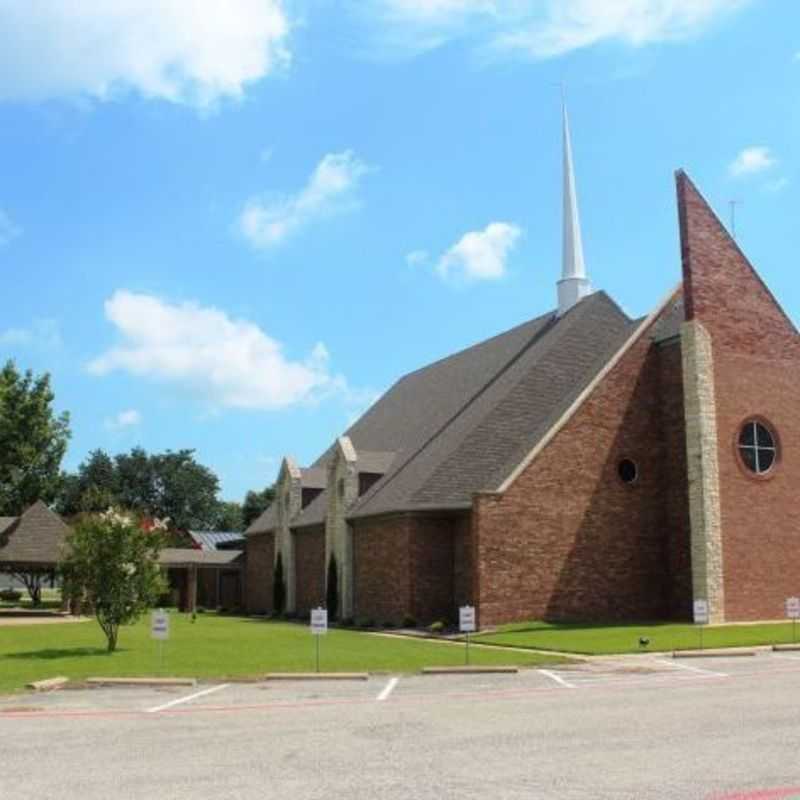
(756, 358)
(310, 568)
(568, 538)
(259, 572)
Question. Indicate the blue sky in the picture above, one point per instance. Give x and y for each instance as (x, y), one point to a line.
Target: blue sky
(232, 233)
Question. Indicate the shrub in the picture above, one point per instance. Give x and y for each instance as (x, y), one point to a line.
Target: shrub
(367, 622)
(278, 587)
(437, 627)
(409, 621)
(347, 622)
(388, 625)
(10, 596)
(332, 589)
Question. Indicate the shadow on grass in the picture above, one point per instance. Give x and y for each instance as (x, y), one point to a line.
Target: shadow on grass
(51, 654)
(568, 627)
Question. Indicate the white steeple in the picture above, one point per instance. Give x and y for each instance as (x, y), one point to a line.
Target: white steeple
(574, 285)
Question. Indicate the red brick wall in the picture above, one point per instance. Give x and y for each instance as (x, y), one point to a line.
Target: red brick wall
(675, 505)
(260, 563)
(569, 539)
(411, 564)
(310, 568)
(756, 373)
(382, 569)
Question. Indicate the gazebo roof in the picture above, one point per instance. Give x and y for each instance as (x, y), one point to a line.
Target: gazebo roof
(36, 538)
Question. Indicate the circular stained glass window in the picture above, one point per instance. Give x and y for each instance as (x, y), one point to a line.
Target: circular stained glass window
(628, 471)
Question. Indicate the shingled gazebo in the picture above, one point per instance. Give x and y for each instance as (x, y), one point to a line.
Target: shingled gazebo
(32, 544)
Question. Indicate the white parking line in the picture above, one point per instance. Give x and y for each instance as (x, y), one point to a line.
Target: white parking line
(187, 698)
(388, 689)
(690, 668)
(557, 678)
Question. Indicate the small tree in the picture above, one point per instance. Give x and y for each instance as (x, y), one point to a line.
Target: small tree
(332, 589)
(33, 579)
(278, 587)
(113, 565)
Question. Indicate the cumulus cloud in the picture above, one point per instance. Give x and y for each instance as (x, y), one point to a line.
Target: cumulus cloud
(226, 362)
(752, 160)
(544, 28)
(184, 51)
(8, 229)
(42, 333)
(480, 255)
(331, 188)
(125, 419)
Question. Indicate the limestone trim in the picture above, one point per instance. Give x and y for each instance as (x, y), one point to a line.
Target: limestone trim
(586, 393)
(702, 457)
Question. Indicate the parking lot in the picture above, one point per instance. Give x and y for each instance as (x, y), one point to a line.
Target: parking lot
(628, 727)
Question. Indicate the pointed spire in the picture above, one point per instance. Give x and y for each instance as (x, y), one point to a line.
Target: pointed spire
(574, 284)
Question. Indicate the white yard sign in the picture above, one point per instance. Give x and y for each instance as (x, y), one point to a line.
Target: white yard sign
(793, 607)
(701, 612)
(466, 619)
(159, 624)
(319, 621)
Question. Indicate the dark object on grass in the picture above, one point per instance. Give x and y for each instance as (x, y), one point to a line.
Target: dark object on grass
(644, 641)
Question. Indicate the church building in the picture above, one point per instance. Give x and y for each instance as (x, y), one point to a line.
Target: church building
(583, 465)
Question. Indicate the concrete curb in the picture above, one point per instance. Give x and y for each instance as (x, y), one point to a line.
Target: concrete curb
(316, 676)
(725, 653)
(786, 648)
(141, 681)
(468, 670)
(48, 684)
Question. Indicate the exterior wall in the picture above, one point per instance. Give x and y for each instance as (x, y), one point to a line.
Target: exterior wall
(416, 565)
(756, 370)
(309, 553)
(568, 539)
(260, 562)
(288, 500)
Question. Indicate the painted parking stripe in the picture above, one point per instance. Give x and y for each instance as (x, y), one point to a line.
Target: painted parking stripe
(557, 678)
(388, 689)
(186, 699)
(690, 668)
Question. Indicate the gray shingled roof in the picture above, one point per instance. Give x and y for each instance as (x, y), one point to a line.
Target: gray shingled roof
(499, 424)
(36, 538)
(210, 540)
(669, 326)
(313, 477)
(462, 424)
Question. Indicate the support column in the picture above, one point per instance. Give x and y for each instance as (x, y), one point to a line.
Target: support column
(703, 467)
(191, 593)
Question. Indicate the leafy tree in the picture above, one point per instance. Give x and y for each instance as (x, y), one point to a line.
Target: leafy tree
(94, 488)
(33, 440)
(228, 517)
(332, 588)
(32, 579)
(112, 565)
(255, 503)
(278, 587)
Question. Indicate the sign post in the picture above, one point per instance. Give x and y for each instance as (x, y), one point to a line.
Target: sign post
(319, 626)
(466, 624)
(159, 630)
(793, 612)
(701, 616)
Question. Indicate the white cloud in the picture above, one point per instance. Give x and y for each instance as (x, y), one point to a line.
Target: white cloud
(480, 255)
(8, 229)
(330, 189)
(184, 51)
(225, 362)
(752, 160)
(544, 28)
(43, 334)
(417, 258)
(125, 419)
(777, 185)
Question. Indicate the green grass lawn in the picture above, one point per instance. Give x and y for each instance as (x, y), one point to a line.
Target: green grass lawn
(219, 647)
(605, 639)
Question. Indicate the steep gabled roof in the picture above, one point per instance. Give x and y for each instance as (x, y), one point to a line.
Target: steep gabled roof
(501, 421)
(36, 538)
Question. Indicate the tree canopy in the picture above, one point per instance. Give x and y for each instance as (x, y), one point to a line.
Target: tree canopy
(33, 440)
(255, 503)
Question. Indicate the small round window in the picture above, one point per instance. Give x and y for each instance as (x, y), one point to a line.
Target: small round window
(757, 447)
(628, 472)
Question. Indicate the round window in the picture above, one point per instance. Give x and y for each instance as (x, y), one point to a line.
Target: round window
(628, 471)
(757, 447)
